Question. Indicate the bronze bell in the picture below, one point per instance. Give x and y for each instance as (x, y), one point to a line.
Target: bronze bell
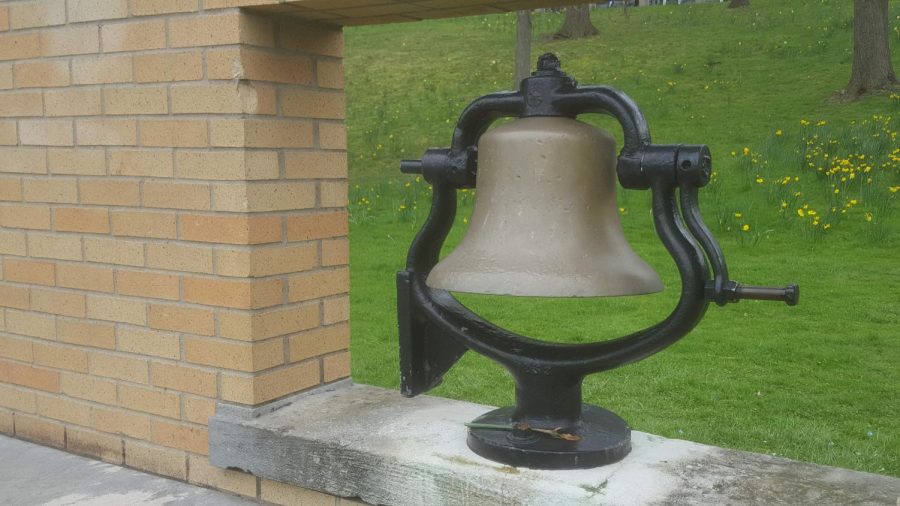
(545, 221)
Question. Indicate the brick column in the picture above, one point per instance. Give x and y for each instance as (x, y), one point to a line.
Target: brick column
(173, 187)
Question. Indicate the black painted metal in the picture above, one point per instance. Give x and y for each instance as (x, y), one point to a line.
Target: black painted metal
(436, 330)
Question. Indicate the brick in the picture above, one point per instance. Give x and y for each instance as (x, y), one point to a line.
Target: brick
(336, 310)
(13, 296)
(239, 294)
(12, 243)
(23, 160)
(253, 390)
(330, 74)
(41, 74)
(4, 18)
(31, 377)
(144, 224)
(135, 101)
(119, 367)
(259, 262)
(46, 133)
(114, 251)
(119, 421)
(147, 284)
(81, 161)
(289, 495)
(117, 309)
(258, 326)
(106, 132)
(17, 46)
(231, 229)
(149, 342)
(198, 409)
(236, 356)
(84, 277)
(256, 65)
(304, 103)
(203, 473)
(16, 349)
(95, 10)
(37, 14)
(217, 30)
(53, 190)
(243, 98)
(79, 219)
(156, 460)
(323, 41)
(318, 284)
(7, 426)
(24, 103)
(166, 67)
(155, 402)
(6, 78)
(89, 388)
(40, 431)
(320, 341)
(178, 257)
(262, 197)
(174, 133)
(17, 399)
(151, 163)
(335, 252)
(182, 319)
(29, 271)
(84, 333)
(333, 194)
(31, 324)
(60, 357)
(184, 379)
(151, 7)
(57, 302)
(180, 436)
(61, 247)
(163, 194)
(315, 165)
(109, 193)
(20, 216)
(11, 189)
(223, 165)
(64, 410)
(336, 366)
(8, 133)
(102, 69)
(70, 40)
(332, 136)
(307, 227)
(74, 102)
(94, 444)
(133, 36)
(261, 133)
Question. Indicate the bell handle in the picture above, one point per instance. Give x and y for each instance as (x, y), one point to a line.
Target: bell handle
(612, 102)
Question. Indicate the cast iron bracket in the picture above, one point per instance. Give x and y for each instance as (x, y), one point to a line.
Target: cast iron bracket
(436, 330)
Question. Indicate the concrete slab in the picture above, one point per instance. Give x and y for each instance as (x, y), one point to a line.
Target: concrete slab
(36, 475)
(367, 442)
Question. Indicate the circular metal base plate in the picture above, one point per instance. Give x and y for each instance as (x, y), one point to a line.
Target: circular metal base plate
(605, 438)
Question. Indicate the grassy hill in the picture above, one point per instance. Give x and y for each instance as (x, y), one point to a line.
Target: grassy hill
(817, 382)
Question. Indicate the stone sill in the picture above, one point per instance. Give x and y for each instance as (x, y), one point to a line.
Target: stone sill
(370, 443)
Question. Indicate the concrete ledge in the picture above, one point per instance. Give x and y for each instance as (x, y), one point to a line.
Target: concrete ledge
(371, 443)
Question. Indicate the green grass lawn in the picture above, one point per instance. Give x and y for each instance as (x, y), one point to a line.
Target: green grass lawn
(818, 382)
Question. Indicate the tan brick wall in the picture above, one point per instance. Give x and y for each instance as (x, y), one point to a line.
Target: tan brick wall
(172, 226)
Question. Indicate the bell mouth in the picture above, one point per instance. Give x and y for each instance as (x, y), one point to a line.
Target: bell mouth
(449, 275)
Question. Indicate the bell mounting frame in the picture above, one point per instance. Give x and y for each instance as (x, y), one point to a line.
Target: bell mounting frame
(435, 329)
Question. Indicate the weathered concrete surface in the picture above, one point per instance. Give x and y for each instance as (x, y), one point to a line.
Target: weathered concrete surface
(32, 475)
(367, 442)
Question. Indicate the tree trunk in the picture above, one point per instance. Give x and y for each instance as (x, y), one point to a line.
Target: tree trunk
(523, 46)
(738, 3)
(577, 24)
(872, 68)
